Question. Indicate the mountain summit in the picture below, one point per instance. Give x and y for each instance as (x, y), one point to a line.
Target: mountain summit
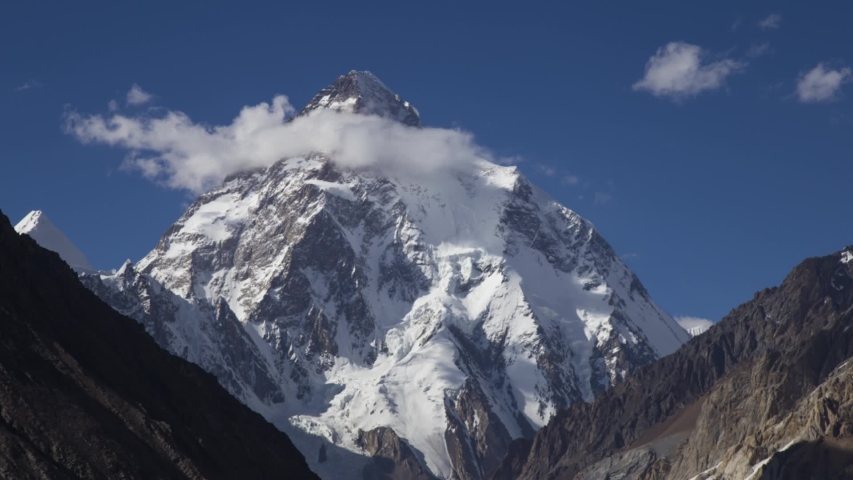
(425, 321)
(362, 92)
(44, 232)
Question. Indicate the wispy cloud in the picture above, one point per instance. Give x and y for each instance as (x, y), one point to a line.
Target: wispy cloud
(630, 255)
(112, 105)
(137, 96)
(770, 22)
(511, 160)
(822, 84)
(756, 50)
(678, 71)
(841, 119)
(570, 180)
(736, 23)
(547, 170)
(169, 148)
(772, 89)
(601, 198)
(29, 85)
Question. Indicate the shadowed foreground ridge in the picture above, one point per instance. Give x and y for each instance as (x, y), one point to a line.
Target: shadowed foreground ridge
(86, 393)
(766, 393)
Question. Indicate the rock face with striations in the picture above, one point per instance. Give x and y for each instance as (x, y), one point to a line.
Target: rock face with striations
(391, 458)
(86, 393)
(457, 310)
(766, 393)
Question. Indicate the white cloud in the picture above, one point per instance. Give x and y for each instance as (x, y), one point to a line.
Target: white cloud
(172, 149)
(548, 170)
(821, 84)
(600, 198)
(28, 85)
(570, 180)
(736, 23)
(112, 105)
(756, 50)
(694, 325)
(511, 160)
(772, 21)
(677, 72)
(137, 96)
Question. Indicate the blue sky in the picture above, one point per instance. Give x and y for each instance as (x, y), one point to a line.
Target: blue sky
(710, 144)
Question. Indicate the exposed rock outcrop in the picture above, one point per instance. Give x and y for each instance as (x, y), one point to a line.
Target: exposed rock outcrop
(765, 378)
(391, 458)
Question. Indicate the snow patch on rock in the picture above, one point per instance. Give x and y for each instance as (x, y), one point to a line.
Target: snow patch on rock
(45, 233)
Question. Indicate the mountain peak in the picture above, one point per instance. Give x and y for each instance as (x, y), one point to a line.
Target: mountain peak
(395, 290)
(30, 221)
(362, 92)
(38, 226)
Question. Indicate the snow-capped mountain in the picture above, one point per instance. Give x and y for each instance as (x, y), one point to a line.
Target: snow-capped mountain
(42, 230)
(698, 330)
(694, 326)
(458, 309)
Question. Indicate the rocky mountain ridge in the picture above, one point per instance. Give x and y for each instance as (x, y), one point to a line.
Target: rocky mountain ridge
(86, 393)
(762, 394)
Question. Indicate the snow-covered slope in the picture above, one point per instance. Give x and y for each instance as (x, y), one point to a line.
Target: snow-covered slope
(694, 326)
(698, 330)
(44, 232)
(460, 308)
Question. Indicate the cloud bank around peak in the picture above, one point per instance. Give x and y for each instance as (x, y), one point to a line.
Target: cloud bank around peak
(170, 148)
(679, 70)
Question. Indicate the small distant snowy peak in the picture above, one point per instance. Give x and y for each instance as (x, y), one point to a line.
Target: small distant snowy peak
(44, 232)
(847, 255)
(696, 331)
(362, 92)
(695, 326)
(126, 267)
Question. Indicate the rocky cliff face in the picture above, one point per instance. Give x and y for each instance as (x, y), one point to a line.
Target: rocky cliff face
(754, 397)
(457, 310)
(391, 457)
(86, 393)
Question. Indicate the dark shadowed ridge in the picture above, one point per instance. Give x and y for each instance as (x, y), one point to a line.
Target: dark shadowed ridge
(765, 369)
(86, 393)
